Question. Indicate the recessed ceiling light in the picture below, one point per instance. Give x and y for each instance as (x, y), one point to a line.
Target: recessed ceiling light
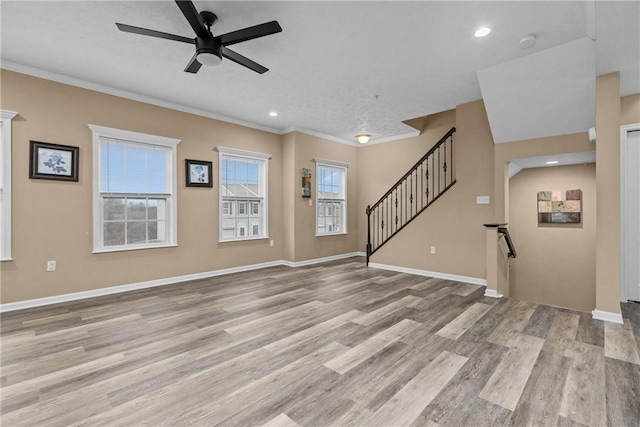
(483, 31)
(552, 162)
(273, 114)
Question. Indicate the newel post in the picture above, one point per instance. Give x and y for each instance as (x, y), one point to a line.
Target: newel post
(497, 264)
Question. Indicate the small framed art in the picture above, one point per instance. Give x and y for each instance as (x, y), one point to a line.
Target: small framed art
(306, 182)
(199, 173)
(53, 161)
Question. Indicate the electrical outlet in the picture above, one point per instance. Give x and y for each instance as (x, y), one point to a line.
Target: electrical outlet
(310, 202)
(433, 250)
(51, 266)
(271, 243)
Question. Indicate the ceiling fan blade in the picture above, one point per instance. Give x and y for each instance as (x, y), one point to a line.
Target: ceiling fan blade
(193, 65)
(250, 33)
(195, 20)
(146, 32)
(242, 60)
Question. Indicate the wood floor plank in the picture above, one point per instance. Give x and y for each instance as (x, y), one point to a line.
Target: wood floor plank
(623, 392)
(479, 413)
(505, 386)
(369, 318)
(344, 362)
(459, 325)
(590, 330)
(540, 321)
(291, 341)
(618, 341)
(513, 324)
(542, 395)
(562, 333)
(281, 420)
(466, 385)
(403, 408)
(584, 399)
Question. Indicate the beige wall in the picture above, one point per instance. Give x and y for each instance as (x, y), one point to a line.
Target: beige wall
(289, 192)
(556, 262)
(307, 245)
(608, 113)
(454, 224)
(53, 220)
(630, 109)
(381, 165)
(563, 144)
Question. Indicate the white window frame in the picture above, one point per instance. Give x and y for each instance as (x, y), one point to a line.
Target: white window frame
(6, 117)
(224, 152)
(172, 203)
(335, 165)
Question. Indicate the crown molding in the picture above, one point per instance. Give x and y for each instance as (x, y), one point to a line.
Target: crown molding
(84, 84)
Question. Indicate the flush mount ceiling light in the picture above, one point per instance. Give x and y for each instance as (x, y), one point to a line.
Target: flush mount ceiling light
(363, 138)
(273, 114)
(552, 162)
(482, 31)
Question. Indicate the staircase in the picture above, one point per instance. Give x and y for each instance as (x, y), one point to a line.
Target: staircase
(425, 182)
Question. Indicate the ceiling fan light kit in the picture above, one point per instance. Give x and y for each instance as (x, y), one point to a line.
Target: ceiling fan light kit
(209, 48)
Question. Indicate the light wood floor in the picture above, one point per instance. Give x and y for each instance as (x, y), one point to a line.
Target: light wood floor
(331, 344)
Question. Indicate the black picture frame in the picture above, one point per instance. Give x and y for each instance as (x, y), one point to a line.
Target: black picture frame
(198, 173)
(53, 161)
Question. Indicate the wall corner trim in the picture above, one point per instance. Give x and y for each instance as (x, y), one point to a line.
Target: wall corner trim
(492, 293)
(20, 305)
(437, 275)
(607, 316)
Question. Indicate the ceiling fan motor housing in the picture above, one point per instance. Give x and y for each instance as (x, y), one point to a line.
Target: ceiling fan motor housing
(208, 46)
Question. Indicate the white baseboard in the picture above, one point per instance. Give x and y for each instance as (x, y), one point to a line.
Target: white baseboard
(437, 275)
(321, 260)
(12, 306)
(607, 316)
(492, 293)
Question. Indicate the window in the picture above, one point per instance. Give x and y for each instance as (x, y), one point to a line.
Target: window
(226, 208)
(134, 190)
(331, 193)
(243, 182)
(5, 184)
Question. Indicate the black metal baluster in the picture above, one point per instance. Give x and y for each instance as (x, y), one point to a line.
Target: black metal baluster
(411, 196)
(445, 163)
(452, 163)
(427, 175)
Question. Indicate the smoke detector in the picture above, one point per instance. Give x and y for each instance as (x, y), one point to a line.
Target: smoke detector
(527, 41)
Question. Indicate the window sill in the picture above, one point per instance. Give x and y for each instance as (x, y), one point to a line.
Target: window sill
(332, 234)
(133, 248)
(6, 259)
(243, 239)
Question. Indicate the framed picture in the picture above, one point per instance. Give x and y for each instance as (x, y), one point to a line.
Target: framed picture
(560, 207)
(306, 182)
(53, 161)
(199, 173)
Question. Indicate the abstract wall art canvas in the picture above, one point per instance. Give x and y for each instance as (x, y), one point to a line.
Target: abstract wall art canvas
(560, 207)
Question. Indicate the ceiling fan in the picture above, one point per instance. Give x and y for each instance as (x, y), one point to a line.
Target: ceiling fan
(209, 48)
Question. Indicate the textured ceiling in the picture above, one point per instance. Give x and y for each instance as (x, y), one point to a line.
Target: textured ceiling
(337, 68)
